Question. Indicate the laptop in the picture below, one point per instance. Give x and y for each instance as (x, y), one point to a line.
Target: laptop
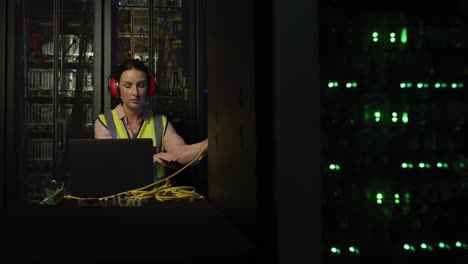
(103, 167)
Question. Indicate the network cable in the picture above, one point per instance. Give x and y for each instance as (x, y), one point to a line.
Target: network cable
(163, 193)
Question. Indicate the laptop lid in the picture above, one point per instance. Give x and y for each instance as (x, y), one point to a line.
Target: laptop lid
(103, 167)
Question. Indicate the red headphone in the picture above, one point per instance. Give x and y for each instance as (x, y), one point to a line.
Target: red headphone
(114, 86)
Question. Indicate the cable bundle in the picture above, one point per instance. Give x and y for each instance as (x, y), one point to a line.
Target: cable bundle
(167, 192)
(163, 193)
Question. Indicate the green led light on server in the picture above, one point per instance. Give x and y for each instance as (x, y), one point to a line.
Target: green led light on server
(442, 165)
(335, 250)
(404, 85)
(457, 85)
(332, 84)
(379, 197)
(425, 165)
(378, 116)
(409, 247)
(443, 245)
(392, 36)
(459, 244)
(422, 85)
(404, 117)
(353, 250)
(404, 35)
(407, 165)
(334, 166)
(426, 246)
(436, 85)
(348, 85)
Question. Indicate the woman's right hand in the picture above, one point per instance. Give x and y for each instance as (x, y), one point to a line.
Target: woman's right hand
(165, 159)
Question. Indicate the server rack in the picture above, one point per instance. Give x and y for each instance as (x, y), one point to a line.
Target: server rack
(167, 36)
(59, 87)
(393, 111)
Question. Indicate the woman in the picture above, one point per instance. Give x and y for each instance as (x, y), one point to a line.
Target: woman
(132, 118)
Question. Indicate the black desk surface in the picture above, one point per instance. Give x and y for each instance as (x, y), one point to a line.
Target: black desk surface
(173, 232)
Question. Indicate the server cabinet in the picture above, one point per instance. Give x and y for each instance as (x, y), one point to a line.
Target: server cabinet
(163, 35)
(168, 37)
(393, 113)
(51, 89)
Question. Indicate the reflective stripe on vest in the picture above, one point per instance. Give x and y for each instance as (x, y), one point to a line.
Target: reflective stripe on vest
(153, 128)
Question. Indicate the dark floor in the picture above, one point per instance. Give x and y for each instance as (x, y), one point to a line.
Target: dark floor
(165, 233)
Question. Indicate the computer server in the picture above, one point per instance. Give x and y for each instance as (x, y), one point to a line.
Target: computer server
(393, 126)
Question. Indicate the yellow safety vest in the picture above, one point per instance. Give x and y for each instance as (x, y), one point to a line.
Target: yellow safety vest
(154, 128)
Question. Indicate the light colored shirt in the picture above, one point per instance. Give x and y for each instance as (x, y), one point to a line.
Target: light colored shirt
(173, 143)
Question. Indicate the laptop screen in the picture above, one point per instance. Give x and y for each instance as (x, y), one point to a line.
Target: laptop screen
(103, 167)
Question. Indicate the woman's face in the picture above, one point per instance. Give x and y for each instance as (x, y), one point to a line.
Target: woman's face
(133, 89)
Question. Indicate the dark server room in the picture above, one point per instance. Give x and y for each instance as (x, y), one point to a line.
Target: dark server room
(393, 102)
(336, 128)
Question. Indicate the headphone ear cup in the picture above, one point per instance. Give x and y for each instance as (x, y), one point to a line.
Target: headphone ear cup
(114, 87)
(152, 86)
